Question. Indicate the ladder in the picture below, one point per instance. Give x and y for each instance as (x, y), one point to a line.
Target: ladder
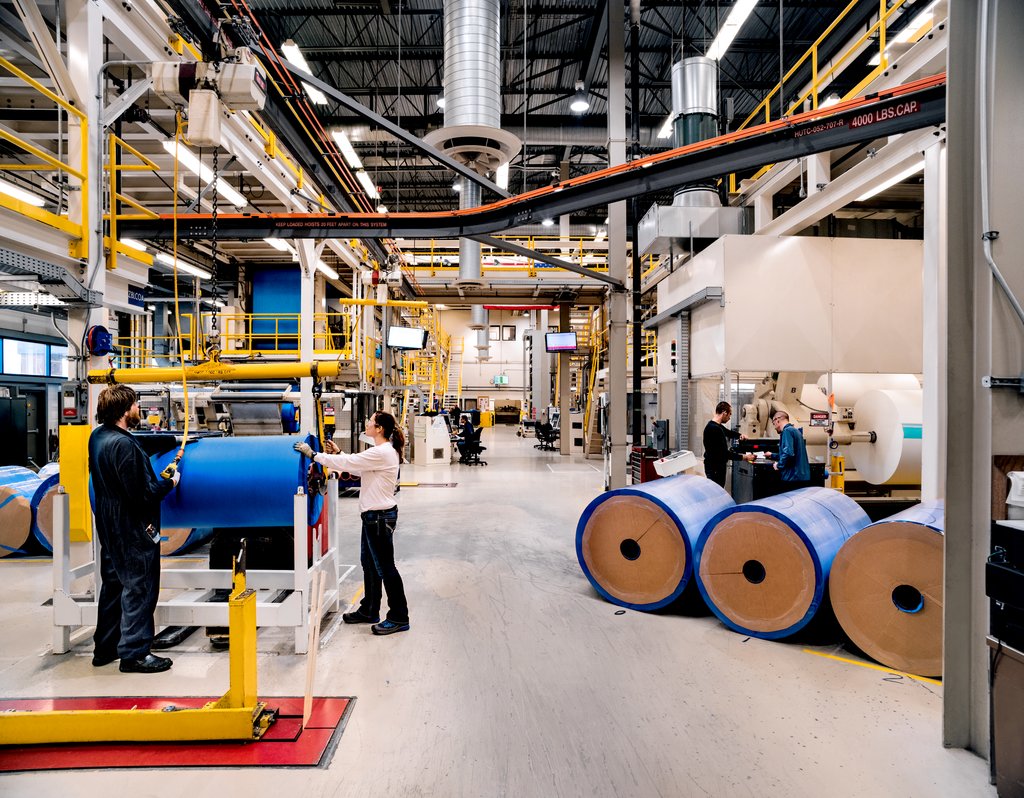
(453, 390)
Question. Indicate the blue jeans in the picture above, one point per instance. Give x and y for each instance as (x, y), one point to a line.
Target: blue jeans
(377, 556)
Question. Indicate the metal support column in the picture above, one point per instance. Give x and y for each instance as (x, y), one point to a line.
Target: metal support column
(933, 438)
(308, 255)
(984, 335)
(564, 383)
(616, 448)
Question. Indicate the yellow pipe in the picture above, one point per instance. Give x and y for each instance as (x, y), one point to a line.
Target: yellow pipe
(214, 371)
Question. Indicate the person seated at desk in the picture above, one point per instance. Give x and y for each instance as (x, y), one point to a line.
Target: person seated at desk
(465, 434)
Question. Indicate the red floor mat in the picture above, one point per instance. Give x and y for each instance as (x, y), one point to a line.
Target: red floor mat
(282, 745)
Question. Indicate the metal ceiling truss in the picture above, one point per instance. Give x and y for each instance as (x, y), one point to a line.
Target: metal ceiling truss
(912, 108)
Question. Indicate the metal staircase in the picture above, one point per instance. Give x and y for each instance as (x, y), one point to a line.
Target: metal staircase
(453, 388)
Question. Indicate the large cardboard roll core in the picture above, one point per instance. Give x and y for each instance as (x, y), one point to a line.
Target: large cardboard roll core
(635, 544)
(15, 520)
(757, 570)
(182, 539)
(634, 549)
(887, 592)
(763, 566)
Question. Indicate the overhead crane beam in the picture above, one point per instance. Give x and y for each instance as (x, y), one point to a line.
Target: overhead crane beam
(915, 106)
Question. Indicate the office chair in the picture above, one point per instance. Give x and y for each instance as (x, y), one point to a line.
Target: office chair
(471, 449)
(548, 437)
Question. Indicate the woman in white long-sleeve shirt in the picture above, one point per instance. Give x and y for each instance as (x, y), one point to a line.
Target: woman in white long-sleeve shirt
(377, 468)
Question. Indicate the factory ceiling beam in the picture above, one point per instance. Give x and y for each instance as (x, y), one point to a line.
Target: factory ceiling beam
(913, 107)
(509, 246)
(889, 161)
(396, 131)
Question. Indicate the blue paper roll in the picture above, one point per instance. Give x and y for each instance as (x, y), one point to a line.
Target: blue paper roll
(635, 544)
(763, 566)
(237, 482)
(17, 486)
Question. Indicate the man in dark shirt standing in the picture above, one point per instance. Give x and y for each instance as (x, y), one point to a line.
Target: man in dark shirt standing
(127, 496)
(716, 444)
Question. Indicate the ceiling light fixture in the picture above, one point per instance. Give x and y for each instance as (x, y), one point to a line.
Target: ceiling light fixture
(899, 178)
(188, 268)
(21, 194)
(188, 159)
(131, 242)
(580, 103)
(368, 186)
(292, 54)
(278, 244)
(501, 176)
(457, 186)
(345, 145)
(440, 102)
(548, 222)
(737, 16)
(327, 270)
(666, 129)
(382, 208)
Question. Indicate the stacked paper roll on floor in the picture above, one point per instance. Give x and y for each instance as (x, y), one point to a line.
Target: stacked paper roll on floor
(763, 566)
(42, 505)
(886, 589)
(17, 485)
(635, 544)
(895, 418)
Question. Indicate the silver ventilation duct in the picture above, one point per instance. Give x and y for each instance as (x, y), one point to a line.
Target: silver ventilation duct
(472, 111)
(472, 76)
(696, 216)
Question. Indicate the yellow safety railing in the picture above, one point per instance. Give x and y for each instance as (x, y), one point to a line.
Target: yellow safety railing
(79, 245)
(763, 113)
(114, 245)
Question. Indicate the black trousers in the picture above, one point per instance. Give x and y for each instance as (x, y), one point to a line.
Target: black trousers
(130, 570)
(377, 556)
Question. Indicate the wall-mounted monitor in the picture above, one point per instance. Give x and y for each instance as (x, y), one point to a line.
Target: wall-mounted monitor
(406, 338)
(560, 342)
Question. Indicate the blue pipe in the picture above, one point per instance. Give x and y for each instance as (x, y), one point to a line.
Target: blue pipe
(238, 482)
(689, 501)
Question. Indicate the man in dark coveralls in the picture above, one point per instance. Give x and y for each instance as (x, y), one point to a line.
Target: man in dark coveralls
(127, 507)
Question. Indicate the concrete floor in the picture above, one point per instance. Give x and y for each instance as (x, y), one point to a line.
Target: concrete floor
(518, 680)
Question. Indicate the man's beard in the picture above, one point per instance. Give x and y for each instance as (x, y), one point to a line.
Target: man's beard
(134, 419)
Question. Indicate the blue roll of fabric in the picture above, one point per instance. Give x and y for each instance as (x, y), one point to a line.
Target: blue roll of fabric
(42, 511)
(635, 544)
(763, 566)
(237, 482)
(17, 486)
(887, 589)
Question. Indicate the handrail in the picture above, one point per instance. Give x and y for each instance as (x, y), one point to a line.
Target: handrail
(819, 81)
(116, 198)
(79, 246)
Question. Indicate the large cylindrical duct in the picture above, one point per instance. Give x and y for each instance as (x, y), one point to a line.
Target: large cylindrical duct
(472, 93)
(695, 106)
(469, 250)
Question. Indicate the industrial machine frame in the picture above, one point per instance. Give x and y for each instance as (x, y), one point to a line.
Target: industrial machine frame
(194, 606)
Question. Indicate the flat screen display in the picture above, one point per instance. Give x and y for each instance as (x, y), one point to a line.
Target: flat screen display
(560, 342)
(406, 338)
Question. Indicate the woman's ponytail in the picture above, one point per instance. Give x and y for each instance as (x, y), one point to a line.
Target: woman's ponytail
(387, 422)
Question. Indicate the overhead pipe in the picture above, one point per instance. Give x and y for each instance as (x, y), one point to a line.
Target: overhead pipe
(217, 371)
